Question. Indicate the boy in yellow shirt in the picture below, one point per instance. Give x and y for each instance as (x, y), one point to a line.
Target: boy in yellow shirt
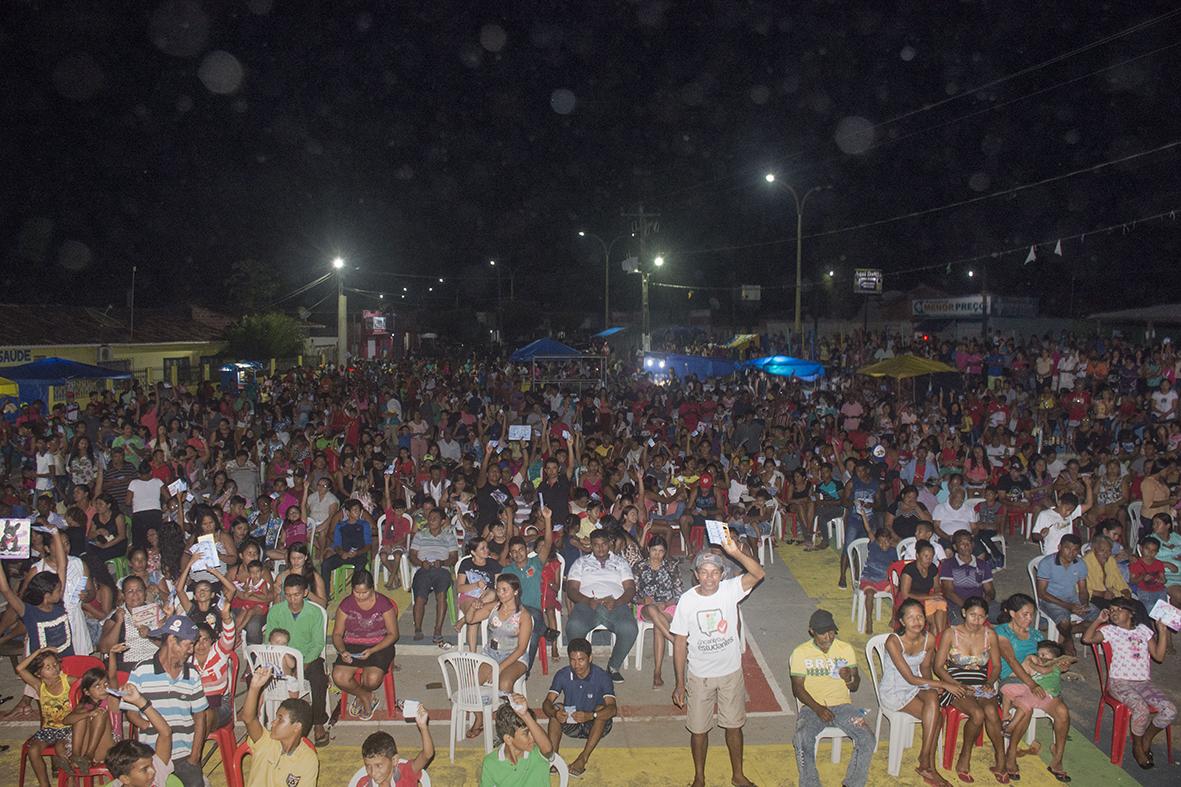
(280, 756)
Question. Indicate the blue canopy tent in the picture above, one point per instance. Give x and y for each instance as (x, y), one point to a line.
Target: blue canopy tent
(35, 379)
(786, 366)
(543, 348)
(700, 366)
(609, 332)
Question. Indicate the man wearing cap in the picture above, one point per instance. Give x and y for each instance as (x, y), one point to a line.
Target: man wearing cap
(707, 655)
(170, 683)
(823, 672)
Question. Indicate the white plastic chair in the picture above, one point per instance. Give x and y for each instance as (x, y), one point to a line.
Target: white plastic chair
(834, 734)
(271, 656)
(905, 544)
(836, 531)
(424, 779)
(461, 639)
(858, 553)
(902, 724)
(1134, 509)
(644, 626)
(1051, 628)
(468, 695)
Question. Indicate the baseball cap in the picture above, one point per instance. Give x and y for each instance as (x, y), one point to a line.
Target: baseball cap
(821, 621)
(178, 626)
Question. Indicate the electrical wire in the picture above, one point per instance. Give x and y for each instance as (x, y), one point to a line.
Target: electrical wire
(300, 290)
(746, 171)
(938, 208)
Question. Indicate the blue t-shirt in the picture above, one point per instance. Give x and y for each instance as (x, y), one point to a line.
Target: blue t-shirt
(1063, 580)
(1021, 647)
(352, 535)
(584, 694)
(877, 562)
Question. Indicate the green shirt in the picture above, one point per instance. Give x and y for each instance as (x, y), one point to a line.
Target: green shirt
(532, 770)
(306, 628)
(1050, 681)
(530, 577)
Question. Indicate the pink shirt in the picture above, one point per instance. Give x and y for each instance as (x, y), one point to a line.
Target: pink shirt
(1129, 651)
(365, 627)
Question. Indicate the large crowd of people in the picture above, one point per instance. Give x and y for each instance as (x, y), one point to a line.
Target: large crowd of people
(175, 527)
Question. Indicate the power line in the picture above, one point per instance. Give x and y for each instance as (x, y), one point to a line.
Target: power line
(744, 171)
(300, 290)
(939, 208)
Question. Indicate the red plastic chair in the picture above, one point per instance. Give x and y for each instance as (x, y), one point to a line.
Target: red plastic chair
(391, 696)
(1121, 722)
(223, 736)
(84, 779)
(74, 667)
(234, 767)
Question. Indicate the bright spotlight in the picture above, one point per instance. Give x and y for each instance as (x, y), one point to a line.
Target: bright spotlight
(658, 261)
(770, 177)
(831, 274)
(581, 234)
(338, 263)
(971, 274)
(660, 364)
(649, 362)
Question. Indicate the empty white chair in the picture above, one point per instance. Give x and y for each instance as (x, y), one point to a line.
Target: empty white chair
(902, 724)
(468, 695)
(905, 545)
(836, 531)
(1134, 521)
(271, 657)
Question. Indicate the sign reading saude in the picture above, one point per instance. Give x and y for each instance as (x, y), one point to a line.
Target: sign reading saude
(11, 355)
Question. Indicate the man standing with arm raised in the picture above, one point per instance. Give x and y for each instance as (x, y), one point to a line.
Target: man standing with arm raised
(707, 656)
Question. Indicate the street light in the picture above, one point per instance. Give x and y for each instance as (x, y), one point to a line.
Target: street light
(342, 328)
(607, 247)
(800, 204)
(645, 318)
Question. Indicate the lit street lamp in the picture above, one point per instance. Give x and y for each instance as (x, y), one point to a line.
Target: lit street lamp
(800, 204)
(342, 327)
(606, 270)
(645, 325)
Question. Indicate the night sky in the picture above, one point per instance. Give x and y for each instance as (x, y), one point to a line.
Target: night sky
(425, 138)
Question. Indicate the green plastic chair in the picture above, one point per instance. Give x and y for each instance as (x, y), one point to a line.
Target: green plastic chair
(341, 576)
(119, 568)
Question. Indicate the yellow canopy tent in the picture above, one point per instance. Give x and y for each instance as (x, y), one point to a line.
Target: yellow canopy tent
(9, 388)
(741, 340)
(902, 367)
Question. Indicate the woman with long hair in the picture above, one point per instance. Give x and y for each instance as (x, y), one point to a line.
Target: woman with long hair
(299, 562)
(1017, 638)
(364, 633)
(658, 587)
(108, 529)
(908, 685)
(510, 628)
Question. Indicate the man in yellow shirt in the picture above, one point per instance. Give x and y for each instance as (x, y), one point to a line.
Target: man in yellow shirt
(1105, 582)
(823, 672)
(280, 756)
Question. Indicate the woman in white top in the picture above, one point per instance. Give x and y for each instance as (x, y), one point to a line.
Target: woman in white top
(318, 507)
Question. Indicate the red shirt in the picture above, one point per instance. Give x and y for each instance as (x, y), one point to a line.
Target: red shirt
(1153, 573)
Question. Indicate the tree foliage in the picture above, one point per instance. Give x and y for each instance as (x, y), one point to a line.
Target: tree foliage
(269, 335)
(253, 285)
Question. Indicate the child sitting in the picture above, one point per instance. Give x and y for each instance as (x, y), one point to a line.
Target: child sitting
(923, 531)
(282, 638)
(1045, 666)
(252, 594)
(1148, 574)
(875, 574)
(523, 757)
(136, 764)
(395, 531)
(379, 753)
(93, 733)
(42, 670)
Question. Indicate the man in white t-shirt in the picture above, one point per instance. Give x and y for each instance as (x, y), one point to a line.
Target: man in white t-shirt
(953, 516)
(707, 655)
(45, 466)
(1053, 523)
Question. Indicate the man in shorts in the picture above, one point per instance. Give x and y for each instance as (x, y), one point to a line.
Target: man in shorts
(1062, 590)
(588, 703)
(707, 655)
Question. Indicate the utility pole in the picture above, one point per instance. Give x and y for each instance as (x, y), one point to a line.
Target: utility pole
(642, 224)
(984, 303)
(131, 330)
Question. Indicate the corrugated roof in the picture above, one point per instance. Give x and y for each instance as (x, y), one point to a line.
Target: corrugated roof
(27, 325)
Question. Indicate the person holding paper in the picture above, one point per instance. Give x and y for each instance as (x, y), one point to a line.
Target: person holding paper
(1129, 672)
(707, 654)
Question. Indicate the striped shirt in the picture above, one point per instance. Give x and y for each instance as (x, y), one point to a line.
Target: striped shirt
(178, 701)
(215, 672)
